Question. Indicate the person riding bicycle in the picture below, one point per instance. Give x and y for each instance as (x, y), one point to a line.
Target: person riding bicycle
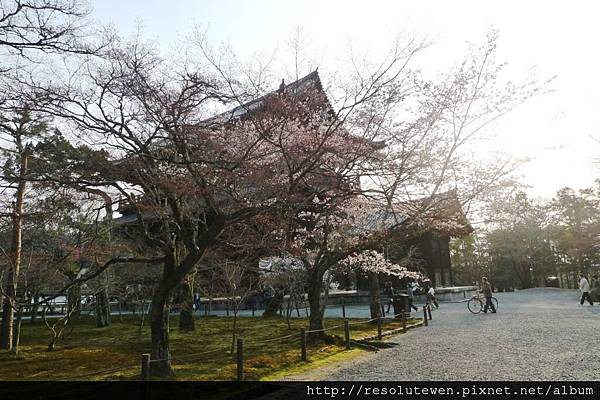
(486, 288)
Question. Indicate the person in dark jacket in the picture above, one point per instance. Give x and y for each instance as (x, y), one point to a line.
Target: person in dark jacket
(595, 288)
(486, 288)
(196, 301)
(388, 290)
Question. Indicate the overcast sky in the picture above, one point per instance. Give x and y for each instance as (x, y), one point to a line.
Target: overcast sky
(558, 38)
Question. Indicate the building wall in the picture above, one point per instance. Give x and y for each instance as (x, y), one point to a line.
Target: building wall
(435, 251)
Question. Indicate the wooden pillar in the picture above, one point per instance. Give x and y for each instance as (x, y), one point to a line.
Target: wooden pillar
(145, 374)
(240, 359)
(347, 334)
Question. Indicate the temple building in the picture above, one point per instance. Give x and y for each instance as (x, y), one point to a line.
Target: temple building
(428, 225)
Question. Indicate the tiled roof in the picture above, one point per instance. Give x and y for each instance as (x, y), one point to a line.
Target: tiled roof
(441, 212)
(383, 218)
(310, 81)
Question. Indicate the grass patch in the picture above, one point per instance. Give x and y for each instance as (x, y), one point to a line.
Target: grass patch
(316, 361)
(90, 353)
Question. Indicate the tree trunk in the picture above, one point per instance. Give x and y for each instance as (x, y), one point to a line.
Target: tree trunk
(288, 311)
(172, 276)
(34, 308)
(159, 325)
(17, 332)
(8, 309)
(374, 295)
(6, 332)
(273, 304)
(102, 309)
(315, 286)
(187, 322)
(74, 299)
(234, 329)
(143, 314)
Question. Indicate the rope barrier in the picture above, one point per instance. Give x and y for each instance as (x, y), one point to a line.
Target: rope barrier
(111, 370)
(362, 322)
(274, 339)
(358, 306)
(159, 360)
(334, 327)
(339, 326)
(199, 354)
(396, 315)
(191, 357)
(260, 347)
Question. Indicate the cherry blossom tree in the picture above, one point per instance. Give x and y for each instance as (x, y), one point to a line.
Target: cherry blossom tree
(430, 130)
(374, 263)
(188, 180)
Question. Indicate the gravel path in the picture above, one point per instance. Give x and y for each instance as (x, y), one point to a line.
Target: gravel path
(537, 334)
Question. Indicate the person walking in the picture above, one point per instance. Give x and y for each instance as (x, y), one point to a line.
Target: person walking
(584, 286)
(196, 301)
(486, 288)
(431, 296)
(411, 288)
(388, 290)
(595, 288)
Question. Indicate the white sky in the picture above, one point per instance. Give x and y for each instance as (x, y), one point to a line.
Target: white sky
(558, 38)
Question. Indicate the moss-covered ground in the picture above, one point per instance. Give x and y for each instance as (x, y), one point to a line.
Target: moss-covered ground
(113, 353)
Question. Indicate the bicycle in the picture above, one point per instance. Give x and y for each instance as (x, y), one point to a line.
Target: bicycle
(477, 302)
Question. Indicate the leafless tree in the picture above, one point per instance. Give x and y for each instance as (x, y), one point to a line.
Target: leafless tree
(29, 28)
(236, 284)
(188, 180)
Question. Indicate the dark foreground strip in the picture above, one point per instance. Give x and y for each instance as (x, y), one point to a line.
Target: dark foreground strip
(298, 390)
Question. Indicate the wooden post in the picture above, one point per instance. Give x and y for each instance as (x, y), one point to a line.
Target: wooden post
(206, 309)
(425, 315)
(227, 307)
(403, 318)
(382, 310)
(303, 344)
(343, 309)
(240, 359)
(253, 311)
(347, 334)
(145, 375)
(379, 330)
(429, 312)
